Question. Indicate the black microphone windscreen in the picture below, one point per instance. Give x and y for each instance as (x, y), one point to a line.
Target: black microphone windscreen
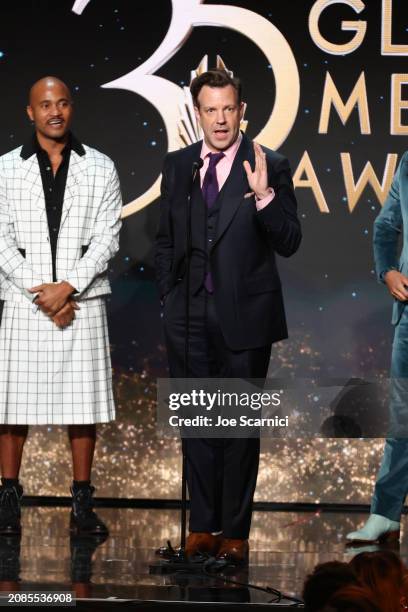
(198, 164)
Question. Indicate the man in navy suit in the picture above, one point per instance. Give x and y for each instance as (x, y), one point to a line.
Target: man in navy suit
(243, 211)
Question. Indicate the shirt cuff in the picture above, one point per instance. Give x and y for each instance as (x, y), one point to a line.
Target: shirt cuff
(260, 204)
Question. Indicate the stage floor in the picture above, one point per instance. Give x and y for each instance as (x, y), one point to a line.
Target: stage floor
(285, 547)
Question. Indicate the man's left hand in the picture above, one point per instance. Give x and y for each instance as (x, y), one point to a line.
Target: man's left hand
(258, 179)
(52, 296)
(66, 315)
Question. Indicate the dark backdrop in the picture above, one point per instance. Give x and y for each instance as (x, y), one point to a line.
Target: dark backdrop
(338, 315)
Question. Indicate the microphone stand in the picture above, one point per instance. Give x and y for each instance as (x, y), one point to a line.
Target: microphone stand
(175, 560)
(195, 168)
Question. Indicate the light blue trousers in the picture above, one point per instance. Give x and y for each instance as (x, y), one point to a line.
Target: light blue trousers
(391, 487)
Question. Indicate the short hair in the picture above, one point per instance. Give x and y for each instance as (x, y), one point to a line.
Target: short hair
(214, 78)
(325, 580)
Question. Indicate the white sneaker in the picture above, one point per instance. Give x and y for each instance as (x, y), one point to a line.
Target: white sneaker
(377, 529)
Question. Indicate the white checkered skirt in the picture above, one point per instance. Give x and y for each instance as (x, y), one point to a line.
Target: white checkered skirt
(55, 376)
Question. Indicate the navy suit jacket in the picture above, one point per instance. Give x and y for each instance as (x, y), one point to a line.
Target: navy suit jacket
(247, 287)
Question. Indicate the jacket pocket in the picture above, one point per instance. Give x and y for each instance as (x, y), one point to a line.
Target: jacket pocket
(262, 284)
(397, 310)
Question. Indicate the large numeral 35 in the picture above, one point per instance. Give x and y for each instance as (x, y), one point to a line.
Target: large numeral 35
(167, 97)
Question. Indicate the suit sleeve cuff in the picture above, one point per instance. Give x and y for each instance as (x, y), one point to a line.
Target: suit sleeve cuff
(384, 272)
(260, 204)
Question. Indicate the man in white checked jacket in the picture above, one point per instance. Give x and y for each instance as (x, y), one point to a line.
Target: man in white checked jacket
(60, 207)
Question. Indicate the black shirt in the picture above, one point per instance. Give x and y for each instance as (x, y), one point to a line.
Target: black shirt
(53, 186)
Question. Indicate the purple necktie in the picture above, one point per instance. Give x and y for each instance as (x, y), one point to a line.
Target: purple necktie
(210, 182)
(210, 193)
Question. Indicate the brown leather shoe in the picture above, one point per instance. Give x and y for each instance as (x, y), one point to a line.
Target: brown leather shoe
(202, 542)
(234, 551)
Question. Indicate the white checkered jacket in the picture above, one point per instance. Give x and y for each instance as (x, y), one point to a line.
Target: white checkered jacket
(89, 229)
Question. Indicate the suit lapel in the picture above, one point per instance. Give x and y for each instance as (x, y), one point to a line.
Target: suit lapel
(234, 188)
(76, 170)
(32, 175)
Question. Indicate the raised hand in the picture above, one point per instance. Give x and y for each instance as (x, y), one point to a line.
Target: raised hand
(258, 179)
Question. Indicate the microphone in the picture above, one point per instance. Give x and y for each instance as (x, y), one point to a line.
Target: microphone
(195, 168)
